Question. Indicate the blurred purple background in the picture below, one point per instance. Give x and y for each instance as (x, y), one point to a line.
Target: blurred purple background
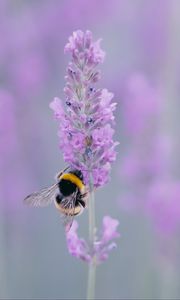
(142, 67)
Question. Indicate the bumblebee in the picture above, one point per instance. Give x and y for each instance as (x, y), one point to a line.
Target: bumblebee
(69, 193)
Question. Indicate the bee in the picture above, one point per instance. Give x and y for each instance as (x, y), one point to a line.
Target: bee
(69, 194)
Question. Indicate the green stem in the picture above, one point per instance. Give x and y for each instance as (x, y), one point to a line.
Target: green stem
(168, 280)
(92, 224)
(92, 229)
(91, 281)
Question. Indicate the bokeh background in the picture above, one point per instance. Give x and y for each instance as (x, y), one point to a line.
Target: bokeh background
(142, 68)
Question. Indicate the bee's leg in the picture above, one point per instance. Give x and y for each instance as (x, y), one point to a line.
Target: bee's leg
(84, 195)
(58, 198)
(60, 173)
(84, 199)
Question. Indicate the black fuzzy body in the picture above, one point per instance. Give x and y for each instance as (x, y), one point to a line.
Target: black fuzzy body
(67, 188)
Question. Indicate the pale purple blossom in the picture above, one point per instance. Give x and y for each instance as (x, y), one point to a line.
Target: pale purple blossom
(141, 105)
(109, 229)
(85, 123)
(12, 187)
(163, 205)
(148, 184)
(86, 134)
(147, 154)
(81, 45)
(79, 248)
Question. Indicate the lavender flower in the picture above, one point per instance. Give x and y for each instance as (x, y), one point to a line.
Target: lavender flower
(101, 248)
(76, 246)
(146, 168)
(85, 125)
(86, 140)
(9, 197)
(141, 105)
(163, 206)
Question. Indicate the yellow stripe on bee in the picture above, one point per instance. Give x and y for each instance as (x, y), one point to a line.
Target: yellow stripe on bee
(74, 179)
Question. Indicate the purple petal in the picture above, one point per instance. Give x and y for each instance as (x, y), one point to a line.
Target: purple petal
(109, 229)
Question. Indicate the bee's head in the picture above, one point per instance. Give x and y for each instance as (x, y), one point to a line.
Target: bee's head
(77, 172)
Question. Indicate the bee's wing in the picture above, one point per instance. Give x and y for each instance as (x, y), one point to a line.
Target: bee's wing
(43, 197)
(69, 204)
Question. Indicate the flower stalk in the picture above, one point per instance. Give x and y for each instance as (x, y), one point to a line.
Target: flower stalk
(92, 238)
(91, 207)
(91, 280)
